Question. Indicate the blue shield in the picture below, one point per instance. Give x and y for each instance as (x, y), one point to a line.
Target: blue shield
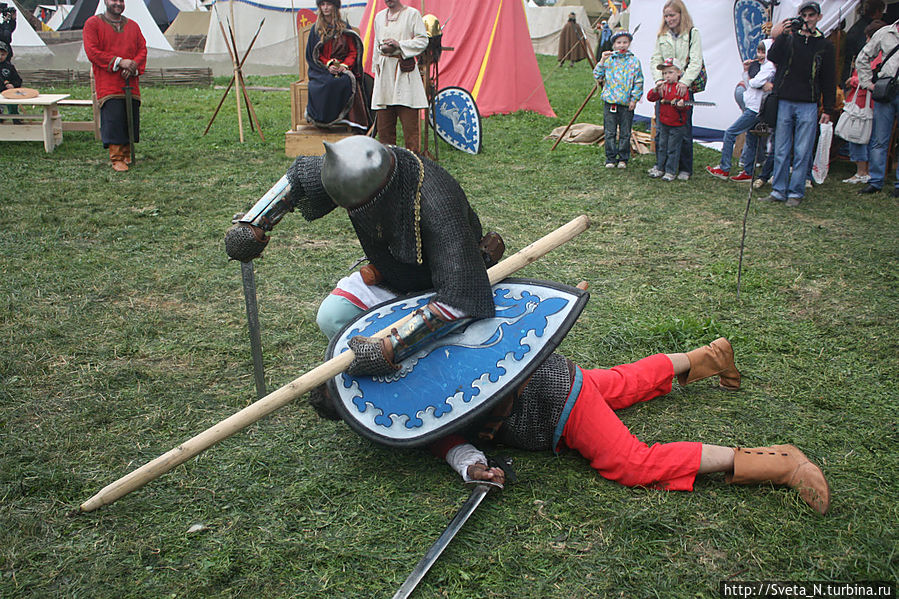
(456, 119)
(458, 379)
(749, 16)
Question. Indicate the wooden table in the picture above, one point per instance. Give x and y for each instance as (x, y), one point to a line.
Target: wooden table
(46, 128)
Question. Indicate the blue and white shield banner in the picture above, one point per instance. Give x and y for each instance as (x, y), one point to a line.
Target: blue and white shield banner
(460, 377)
(456, 119)
(749, 16)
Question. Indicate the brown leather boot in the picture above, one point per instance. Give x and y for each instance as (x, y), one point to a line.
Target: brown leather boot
(715, 358)
(782, 465)
(126, 153)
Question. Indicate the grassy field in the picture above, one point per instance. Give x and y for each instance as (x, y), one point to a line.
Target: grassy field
(126, 334)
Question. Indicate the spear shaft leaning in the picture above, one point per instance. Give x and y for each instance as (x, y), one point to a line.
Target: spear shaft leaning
(296, 388)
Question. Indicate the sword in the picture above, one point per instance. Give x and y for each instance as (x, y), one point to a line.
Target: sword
(691, 103)
(129, 116)
(481, 489)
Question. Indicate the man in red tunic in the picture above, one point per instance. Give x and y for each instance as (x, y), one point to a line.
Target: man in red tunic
(118, 53)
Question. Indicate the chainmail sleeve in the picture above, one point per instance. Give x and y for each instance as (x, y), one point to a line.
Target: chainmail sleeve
(306, 190)
(537, 410)
(450, 232)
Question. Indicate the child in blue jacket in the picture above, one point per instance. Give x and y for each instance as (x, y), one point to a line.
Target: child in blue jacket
(621, 75)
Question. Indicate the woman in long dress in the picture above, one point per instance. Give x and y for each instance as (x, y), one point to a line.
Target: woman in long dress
(334, 61)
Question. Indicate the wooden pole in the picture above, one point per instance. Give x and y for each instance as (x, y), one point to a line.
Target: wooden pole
(576, 114)
(296, 388)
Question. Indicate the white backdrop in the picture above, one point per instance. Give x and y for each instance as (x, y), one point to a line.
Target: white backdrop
(715, 21)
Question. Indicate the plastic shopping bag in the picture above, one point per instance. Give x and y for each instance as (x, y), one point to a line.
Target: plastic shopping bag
(822, 155)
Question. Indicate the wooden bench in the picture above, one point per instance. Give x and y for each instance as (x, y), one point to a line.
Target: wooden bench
(92, 125)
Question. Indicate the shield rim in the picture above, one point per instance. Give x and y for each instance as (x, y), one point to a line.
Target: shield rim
(477, 111)
(581, 298)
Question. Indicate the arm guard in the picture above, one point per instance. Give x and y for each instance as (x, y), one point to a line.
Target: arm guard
(247, 238)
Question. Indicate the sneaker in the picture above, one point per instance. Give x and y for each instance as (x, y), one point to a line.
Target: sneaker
(610, 165)
(759, 183)
(743, 177)
(856, 178)
(654, 172)
(683, 176)
(869, 189)
(714, 171)
(808, 184)
(771, 198)
(622, 164)
(668, 177)
(793, 202)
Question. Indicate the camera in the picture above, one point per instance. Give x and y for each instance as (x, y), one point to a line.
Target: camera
(797, 23)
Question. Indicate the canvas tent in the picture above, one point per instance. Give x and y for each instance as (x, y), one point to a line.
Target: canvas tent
(492, 58)
(25, 41)
(188, 23)
(136, 11)
(718, 26)
(59, 16)
(162, 11)
(545, 26)
(277, 40)
(594, 8)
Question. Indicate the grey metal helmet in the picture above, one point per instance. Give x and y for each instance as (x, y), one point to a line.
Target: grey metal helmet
(355, 169)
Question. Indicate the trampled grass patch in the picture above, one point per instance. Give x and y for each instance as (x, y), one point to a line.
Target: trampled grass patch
(126, 334)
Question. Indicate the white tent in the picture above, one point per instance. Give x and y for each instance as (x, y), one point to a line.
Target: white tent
(59, 16)
(138, 11)
(26, 41)
(545, 26)
(276, 44)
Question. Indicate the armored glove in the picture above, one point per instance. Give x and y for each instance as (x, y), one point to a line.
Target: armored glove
(376, 357)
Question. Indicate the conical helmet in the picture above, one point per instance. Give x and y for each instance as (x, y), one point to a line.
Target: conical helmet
(355, 169)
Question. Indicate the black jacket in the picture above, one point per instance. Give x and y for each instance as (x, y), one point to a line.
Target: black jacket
(806, 68)
(8, 73)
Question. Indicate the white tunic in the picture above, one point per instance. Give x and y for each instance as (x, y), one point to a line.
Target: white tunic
(392, 86)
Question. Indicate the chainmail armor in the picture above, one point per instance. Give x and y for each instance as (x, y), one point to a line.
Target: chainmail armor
(537, 410)
(306, 191)
(450, 231)
(387, 229)
(369, 360)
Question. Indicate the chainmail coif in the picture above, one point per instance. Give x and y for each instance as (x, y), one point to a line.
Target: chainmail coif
(537, 410)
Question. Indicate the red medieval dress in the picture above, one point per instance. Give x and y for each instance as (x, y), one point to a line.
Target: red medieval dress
(106, 43)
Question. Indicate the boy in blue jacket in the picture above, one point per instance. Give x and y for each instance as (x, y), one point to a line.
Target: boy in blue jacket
(621, 75)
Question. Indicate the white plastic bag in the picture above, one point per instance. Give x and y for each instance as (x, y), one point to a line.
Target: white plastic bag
(822, 156)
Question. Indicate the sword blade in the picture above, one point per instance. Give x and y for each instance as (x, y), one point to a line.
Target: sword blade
(422, 567)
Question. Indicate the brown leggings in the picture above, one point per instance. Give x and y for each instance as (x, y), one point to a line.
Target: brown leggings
(387, 126)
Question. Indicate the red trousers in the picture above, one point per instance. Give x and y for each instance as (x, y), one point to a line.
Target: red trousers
(595, 431)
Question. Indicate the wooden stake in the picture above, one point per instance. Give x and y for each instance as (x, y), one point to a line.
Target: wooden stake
(296, 388)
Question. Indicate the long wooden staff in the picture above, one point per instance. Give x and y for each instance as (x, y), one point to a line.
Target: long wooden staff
(296, 388)
(576, 114)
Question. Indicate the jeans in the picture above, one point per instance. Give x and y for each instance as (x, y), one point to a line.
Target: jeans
(796, 124)
(617, 126)
(858, 152)
(669, 147)
(685, 162)
(743, 124)
(884, 115)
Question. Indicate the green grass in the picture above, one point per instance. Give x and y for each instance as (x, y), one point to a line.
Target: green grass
(125, 334)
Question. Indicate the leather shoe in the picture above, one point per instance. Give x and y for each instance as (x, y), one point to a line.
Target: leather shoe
(869, 189)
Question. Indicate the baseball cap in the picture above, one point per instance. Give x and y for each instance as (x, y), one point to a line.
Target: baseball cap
(813, 5)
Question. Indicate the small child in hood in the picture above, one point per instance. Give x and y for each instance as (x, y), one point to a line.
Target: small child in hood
(621, 75)
(9, 76)
(672, 124)
(757, 87)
